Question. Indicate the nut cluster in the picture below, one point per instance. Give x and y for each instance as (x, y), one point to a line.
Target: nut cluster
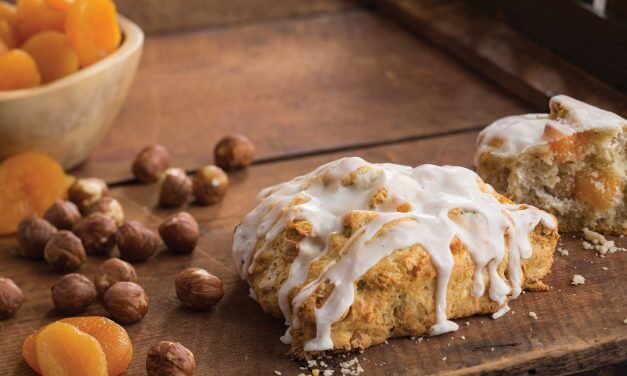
(170, 358)
(11, 298)
(198, 289)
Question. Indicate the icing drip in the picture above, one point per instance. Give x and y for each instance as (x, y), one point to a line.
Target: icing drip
(513, 135)
(439, 205)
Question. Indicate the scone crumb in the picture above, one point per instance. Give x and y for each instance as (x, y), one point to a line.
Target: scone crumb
(533, 315)
(625, 321)
(444, 358)
(599, 243)
(467, 323)
(351, 367)
(605, 268)
(277, 373)
(562, 251)
(463, 338)
(578, 280)
(328, 372)
(492, 349)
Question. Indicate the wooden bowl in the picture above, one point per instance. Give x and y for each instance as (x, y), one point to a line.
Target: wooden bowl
(67, 117)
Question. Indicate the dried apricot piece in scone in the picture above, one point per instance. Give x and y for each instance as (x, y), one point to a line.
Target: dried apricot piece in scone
(29, 183)
(64, 350)
(92, 27)
(19, 71)
(35, 16)
(113, 338)
(53, 54)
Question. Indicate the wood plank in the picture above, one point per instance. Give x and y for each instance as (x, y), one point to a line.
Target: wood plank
(175, 15)
(578, 327)
(294, 86)
(488, 45)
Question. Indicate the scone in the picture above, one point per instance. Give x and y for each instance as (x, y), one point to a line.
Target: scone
(571, 162)
(354, 252)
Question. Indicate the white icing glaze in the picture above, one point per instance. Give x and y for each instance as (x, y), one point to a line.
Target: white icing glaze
(513, 135)
(446, 203)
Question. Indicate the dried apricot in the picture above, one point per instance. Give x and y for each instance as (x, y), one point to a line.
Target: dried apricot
(29, 183)
(7, 13)
(570, 148)
(7, 34)
(64, 350)
(597, 188)
(114, 340)
(61, 5)
(35, 16)
(19, 71)
(3, 47)
(92, 27)
(29, 352)
(53, 54)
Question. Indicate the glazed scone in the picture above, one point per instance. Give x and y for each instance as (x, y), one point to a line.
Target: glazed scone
(354, 252)
(571, 162)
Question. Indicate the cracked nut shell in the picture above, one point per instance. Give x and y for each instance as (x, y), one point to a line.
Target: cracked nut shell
(198, 289)
(150, 163)
(73, 293)
(97, 232)
(109, 207)
(127, 302)
(86, 191)
(32, 235)
(167, 358)
(176, 187)
(180, 232)
(65, 252)
(210, 185)
(136, 242)
(11, 298)
(234, 152)
(113, 271)
(62, 214)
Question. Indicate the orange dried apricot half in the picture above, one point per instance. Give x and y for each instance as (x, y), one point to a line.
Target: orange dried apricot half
(53, 54)
(7, 34)
(19, 71)
(570, 148)
(29, 183)
(3, 47)
(113, 338)
(92, 27)
(35, 16)
(29, 352)
(64, 350)
(61, 5)
(597, 188)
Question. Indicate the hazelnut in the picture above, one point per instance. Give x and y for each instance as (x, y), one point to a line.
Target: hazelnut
(150, 163)
(166, 358)
(136, 242)
(180, 232)
(109, 207)
(127, 302)
(97, 232)
(86, 191)
(113, 271)
(73, 293)
(234, 152)
(210, 185)
(176, 187)
(32, 235)
(198, 289)
(11, 298)
(65, 252)
(62, 214)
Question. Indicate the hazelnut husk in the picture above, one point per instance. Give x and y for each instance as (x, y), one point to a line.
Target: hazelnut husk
(176, 187)
(210, 185)
(97, 232)
(234, 152)
(136, 242)
(73, 293)
(180, 232)
(62, 214)
(11, 298)
(166, 358)
(65, 252)
(150, 163)
(127, 302)
(32, 235)
(86, 191)
(109, 207)
(113, 271)
(198, 289)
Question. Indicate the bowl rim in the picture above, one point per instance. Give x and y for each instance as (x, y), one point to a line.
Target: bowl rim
(133, 38)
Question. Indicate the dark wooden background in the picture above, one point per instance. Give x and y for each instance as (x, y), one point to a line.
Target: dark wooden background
(311, 81)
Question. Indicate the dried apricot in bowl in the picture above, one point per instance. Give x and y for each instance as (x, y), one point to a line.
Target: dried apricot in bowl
(61, 5)
(64, 350)
(29, 183)
(35, 16)
(92, 27)
(53, 54)
(19, 71)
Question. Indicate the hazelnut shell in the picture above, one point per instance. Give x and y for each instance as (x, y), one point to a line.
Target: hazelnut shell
(136, 242)
(65, 252)
(62, 214)
(32, 235)
(127, 302)
(97, 232)
(180, 232)
(112, 271)
(210, 185)
(176, 188)
(86, 191)
(109, 207)
(198, 289)
(234, 152)
(73, 293)
(11, 298)
(150, 163)
(170, 358)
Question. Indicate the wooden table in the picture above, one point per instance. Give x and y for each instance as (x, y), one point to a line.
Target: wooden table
(307, 87)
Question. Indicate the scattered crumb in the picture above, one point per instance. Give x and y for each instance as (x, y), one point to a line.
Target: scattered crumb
(277, 373)
(420, 339)
(599, 243)
(492, 349)
(351, 367)
(463, 338)
(562, 251)
(605, 268)
(315, 372)
(444, 358)
(533, 315)
(578, 280)
(467, 323)
(625, 321)
(312, 363)
(328, 372)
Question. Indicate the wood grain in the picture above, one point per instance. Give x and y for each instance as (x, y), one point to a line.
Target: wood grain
(294, 87)
(578, 327)
(488, 45)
